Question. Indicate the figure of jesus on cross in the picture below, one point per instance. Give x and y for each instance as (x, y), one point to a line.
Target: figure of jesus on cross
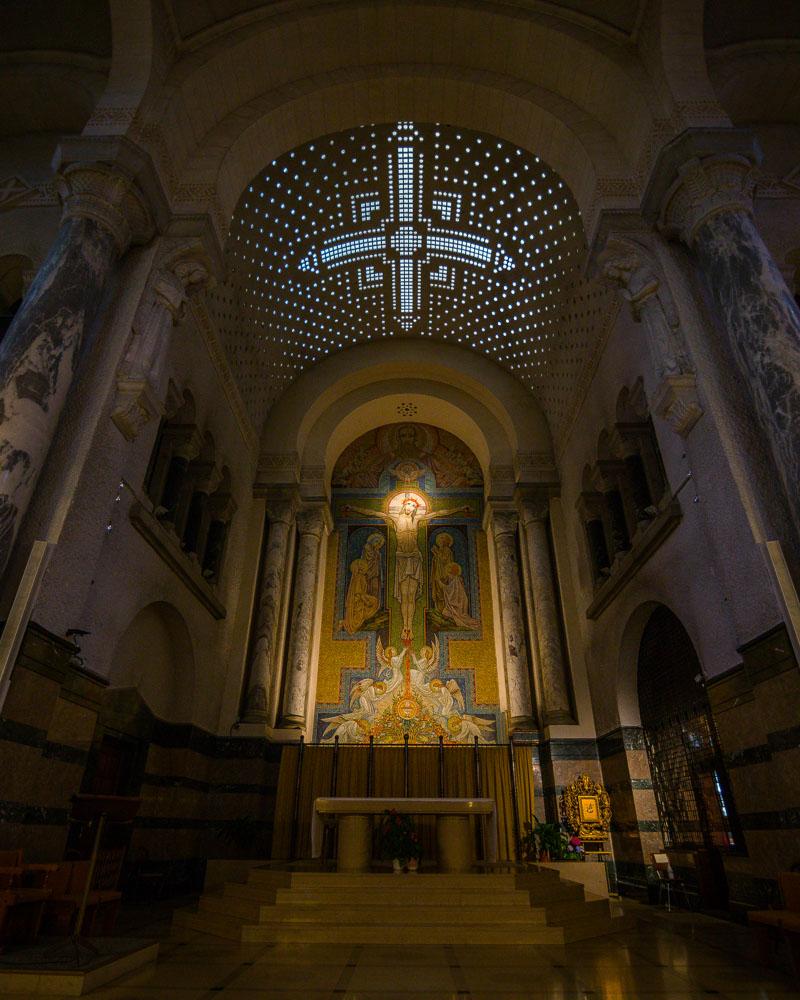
(406, 512)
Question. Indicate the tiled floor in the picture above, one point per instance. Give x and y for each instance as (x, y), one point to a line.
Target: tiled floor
(679, 956)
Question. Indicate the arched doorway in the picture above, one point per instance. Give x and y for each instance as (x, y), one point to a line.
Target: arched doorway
(692, 792)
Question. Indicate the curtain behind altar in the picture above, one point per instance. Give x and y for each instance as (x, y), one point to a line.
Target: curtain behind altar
(453, 769)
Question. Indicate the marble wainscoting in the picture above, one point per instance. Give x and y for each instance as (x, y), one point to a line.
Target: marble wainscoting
(636, 831)
(203, 796)
(755, 710)
(49, 720)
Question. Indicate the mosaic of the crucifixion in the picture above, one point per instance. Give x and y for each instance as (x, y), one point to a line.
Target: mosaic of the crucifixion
(408, 643)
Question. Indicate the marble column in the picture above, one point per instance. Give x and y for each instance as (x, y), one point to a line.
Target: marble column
(504, 530)
(311, 525)
(280, 518)
(103, 213)
(702, 193)
(182, 269)
(555, 684)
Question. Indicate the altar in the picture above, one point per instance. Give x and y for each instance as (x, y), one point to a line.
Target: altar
(453, 830)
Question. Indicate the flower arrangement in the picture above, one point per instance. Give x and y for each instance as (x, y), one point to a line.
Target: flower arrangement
(575, 849)
(398, 838)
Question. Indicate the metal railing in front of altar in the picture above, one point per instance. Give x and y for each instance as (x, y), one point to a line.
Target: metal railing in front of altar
(503, 772)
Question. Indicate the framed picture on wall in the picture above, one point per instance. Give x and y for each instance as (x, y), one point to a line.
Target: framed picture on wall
(589, 808)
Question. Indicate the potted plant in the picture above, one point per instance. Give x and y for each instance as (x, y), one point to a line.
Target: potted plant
(399, 841)
(546, 841)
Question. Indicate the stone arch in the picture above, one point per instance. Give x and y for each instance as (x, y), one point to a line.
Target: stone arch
(133, 47)
(435, 403)
(579, 149)
(680, 62)
(432, 67)
(452, 387)
(154, 655)
(628, 663)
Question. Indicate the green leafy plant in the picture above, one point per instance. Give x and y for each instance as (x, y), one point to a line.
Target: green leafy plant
(544, 840)
(398, 837)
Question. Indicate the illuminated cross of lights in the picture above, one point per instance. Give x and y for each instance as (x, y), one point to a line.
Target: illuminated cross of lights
(399, 240)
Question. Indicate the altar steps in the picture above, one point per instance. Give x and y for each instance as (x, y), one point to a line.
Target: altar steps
(535, 908)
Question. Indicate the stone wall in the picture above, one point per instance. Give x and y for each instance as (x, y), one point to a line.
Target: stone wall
(46, 731)
(755, 709)
(202, 795)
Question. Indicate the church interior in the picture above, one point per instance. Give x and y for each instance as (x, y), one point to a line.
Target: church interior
(399, 509)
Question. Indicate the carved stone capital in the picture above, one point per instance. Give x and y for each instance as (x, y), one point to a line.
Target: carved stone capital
(504, 521)
(698, 175)
(135, 405)
(281, 508)
(675, 400)
(703, 189)
(625, 266)
(104, 194)
(533, 505)
(313, 520)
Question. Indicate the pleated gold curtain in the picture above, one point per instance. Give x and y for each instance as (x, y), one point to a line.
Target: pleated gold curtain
(459, 780)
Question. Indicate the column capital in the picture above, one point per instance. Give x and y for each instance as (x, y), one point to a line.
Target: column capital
(533, 505)
(676, 401)
(183, 268)
(626, 264)
(699, 174)
(504, 518)
(314, 520)
(108, 196)
(282, 506)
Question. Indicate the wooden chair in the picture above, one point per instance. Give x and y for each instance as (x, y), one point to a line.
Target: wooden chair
(65, 886)
(668, 882)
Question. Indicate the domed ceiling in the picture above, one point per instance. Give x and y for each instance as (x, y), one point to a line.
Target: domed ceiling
(401, 230)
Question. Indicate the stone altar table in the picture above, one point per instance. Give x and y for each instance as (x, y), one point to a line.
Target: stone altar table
(453, 835)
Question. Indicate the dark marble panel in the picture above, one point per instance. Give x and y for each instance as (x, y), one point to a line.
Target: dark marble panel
(207, 787)
(27, 815)
(748, 756)
(775, 819)
(30, 736)
(619, 740)
(577, 749)
(195, 823)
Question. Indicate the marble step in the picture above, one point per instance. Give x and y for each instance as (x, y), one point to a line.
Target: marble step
(480, 912)
(370, 933)
(406, 894)
(565, 911)
(305, 880)
(557, 891)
